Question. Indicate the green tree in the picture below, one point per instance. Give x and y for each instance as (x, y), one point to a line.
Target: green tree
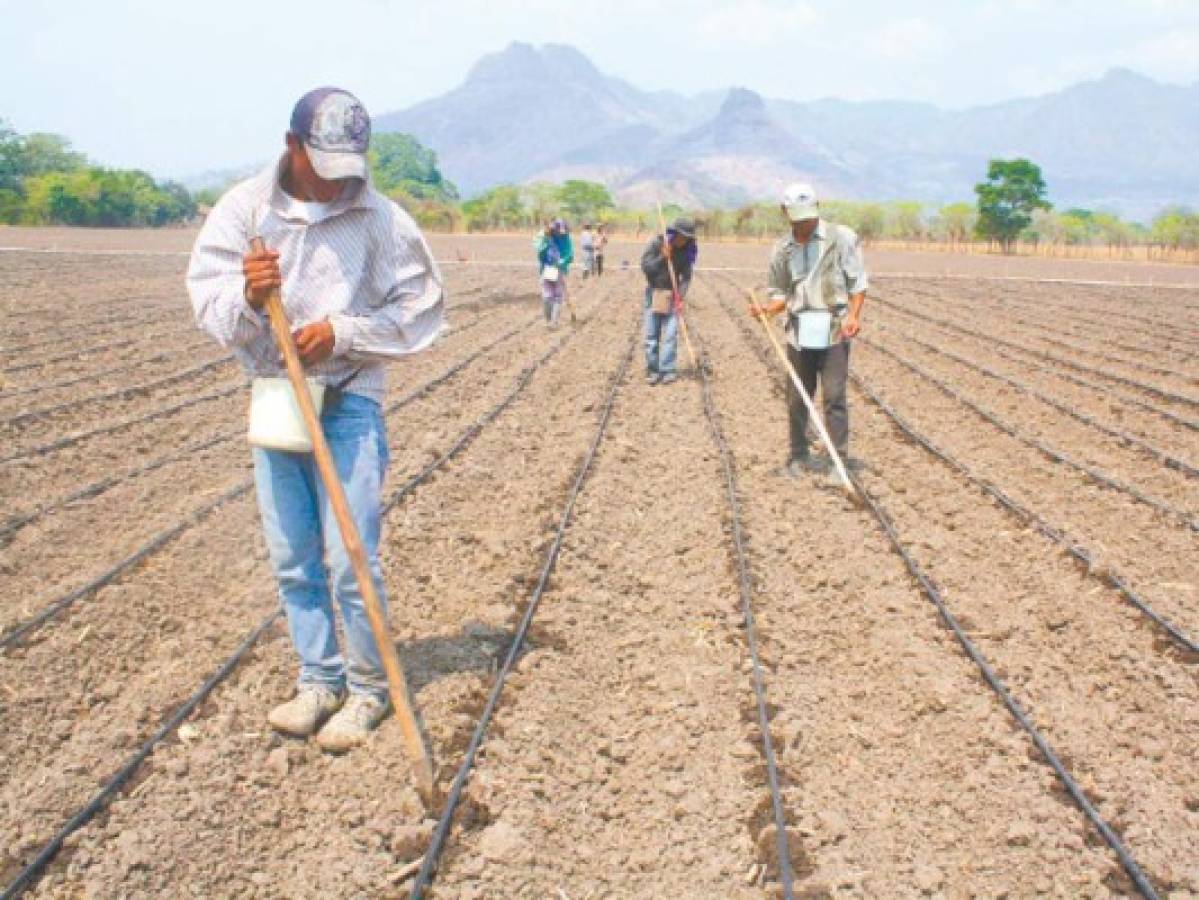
(1176, 228)
(957, 221)
(584, 199)
(1006, 200)
(905, 220)
(400, 163)
(499, 208)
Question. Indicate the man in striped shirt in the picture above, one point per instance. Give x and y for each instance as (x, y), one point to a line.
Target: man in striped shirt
(360, 287)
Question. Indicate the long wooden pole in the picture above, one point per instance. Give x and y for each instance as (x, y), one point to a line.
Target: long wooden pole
(401, 698)
(674, 283)
(760, 315)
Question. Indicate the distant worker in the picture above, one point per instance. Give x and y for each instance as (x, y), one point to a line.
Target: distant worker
(663, 303)
(361, 288)
(818, 278)
(587, 245)
(601, 241)
(555, 253)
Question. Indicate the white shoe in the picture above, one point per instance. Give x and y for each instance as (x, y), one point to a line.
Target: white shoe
(353, 723)
(304, 713)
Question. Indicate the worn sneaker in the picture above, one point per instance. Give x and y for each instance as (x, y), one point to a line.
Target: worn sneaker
(353, 723)
(802, 465)
(652, 377)
(306, 712)
(669, 378)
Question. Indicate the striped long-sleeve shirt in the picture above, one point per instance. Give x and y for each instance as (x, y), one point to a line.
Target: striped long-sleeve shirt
(360, 262)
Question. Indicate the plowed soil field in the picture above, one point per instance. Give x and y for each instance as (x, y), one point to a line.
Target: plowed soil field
(1030, 458)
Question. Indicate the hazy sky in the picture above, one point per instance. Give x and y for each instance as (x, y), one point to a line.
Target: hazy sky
(184, 87)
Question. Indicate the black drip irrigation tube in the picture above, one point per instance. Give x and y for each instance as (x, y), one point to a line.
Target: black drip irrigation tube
(85, 351)
(445, 822)
(27, 876)
(119, 393)
(166, 536)
(159, 413)
(1099, 477)
(34, 870)
(29, 391)
(1128, 440)
(13, 524)
(932, 592)
(1026, 516)
(1047, 356)
(786, 871)
(1017, 308)
(1076, 792)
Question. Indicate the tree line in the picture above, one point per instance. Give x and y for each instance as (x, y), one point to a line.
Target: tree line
(43, 181)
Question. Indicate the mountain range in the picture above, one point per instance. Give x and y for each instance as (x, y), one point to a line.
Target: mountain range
(1123, 142)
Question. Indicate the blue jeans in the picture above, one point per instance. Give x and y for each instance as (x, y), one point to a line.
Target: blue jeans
(306, 549)
(661, 338)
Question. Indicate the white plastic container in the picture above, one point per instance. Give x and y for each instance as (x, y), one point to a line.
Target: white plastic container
(550, 273)
(815, 329)
(275, 419)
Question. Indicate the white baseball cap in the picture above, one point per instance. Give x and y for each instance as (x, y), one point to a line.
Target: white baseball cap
(799, 199)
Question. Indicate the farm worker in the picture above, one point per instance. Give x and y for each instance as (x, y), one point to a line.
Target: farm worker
(361, 288)
(663, 303)
(555, 253)
(587, 243)
(601, 241)
(818, 278)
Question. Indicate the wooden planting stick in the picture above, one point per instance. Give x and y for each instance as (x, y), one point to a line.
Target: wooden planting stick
(760, 315)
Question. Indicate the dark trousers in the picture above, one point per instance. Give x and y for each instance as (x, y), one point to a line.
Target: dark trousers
(599, 264)
(831, 366)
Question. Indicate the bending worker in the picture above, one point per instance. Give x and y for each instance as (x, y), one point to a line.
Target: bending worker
(818, 278)
(663, 304)
(360, 286)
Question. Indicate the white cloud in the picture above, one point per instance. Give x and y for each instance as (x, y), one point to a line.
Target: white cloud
(905, 40)
(756, 22)
(1172, 56)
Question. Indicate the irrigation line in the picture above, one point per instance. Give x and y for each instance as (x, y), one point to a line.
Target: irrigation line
(28, 875)
(13, 524)
(1104, 391)
(1028, 517)
(1013, 309)
(157, 413)
(1045, 355)
(1096, 475)
(13, 392)
(1129, 440)
(1024, 312)
(55, 607)
(1081, 554)
(445, 822)
(786, 872)
(114, 572)
(34, 870)
(89, 351)
(933, 593)
(93, 490)
(120, 393)
(75, 327)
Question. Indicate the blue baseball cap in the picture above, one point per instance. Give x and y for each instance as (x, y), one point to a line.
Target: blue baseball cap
(336, 131)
